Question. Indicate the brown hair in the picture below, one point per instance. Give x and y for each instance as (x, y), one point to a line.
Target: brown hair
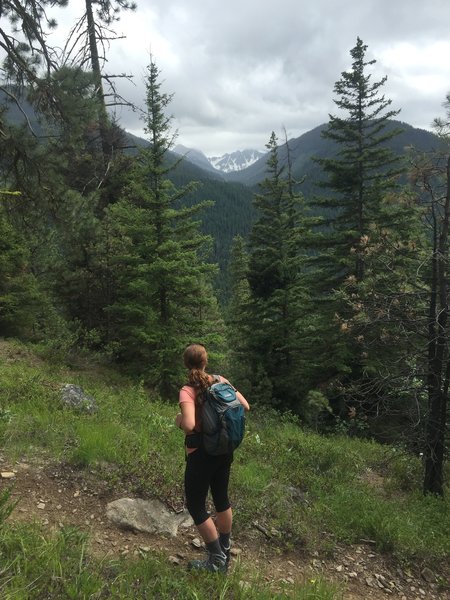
(195, 359)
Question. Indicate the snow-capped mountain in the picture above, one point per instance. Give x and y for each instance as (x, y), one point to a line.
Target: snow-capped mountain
(236, 161)
(228, 163)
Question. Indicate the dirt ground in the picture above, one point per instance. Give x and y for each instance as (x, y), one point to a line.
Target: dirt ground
(57, 496)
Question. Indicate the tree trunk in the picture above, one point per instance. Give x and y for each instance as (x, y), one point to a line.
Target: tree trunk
(96, 70)
(438, 359)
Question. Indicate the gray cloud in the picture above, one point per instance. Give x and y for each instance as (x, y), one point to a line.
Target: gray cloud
(240, 69)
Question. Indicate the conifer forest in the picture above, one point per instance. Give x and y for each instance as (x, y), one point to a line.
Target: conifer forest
(325, 298)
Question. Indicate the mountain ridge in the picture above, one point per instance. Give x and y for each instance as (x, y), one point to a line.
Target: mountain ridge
(226, 163)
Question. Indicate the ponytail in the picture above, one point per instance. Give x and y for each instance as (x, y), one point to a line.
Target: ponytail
(195, 359)
(198, 379)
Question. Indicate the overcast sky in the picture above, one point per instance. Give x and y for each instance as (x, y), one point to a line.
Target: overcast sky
(241, 69)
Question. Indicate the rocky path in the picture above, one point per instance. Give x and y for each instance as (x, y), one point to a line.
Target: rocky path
(57, 497)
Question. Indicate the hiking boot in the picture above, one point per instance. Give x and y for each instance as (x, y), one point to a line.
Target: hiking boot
(215, 563)
(227, 553)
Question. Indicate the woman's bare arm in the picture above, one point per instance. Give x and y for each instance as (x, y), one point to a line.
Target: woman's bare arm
(243, 401)
(186, 419)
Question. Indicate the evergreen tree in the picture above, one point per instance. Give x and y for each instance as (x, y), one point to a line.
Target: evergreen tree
(87, 42)
(365, 202)
(276, 278)
(163, 297)
(21, 300)
(432, 176)
(363, 171)
(238, 317)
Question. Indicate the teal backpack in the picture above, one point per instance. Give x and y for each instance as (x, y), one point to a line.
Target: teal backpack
(223, 419)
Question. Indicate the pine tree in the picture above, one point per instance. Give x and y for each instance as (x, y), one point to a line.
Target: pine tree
(21, 300)
(163, 297)
(432, 176)
(238, 317)
(276, 278)
(363, 170)
(364, 202)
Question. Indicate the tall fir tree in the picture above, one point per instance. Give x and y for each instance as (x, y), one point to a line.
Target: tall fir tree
(163, 297)
(360, 177)
(363, 170)
(238, 317)
(276, 277)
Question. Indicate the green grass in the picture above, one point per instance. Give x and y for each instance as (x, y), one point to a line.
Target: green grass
(310, 491)
(34, 566)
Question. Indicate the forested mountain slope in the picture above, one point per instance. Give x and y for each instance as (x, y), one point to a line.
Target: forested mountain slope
(231, 213)
(312, 144)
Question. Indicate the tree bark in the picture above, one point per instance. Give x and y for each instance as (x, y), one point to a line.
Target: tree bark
(96, 70)
(438, 358)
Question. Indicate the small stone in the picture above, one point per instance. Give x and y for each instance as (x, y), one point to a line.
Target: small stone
(41, 506)
(144, 548)
(421, 592)
(58, 506)
(370, 582)
(339, 568)
(290, 580)
(316, 564)
(291, 563)
(77, 493)
(353, 575)
(428, 575)
(174, 560)
(196, 543)
(382, 580)
(8, 475)
(235, 551)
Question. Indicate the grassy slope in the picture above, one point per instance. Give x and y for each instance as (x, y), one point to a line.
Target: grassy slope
(296, 484)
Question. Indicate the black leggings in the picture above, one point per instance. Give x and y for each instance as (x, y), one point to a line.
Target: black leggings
(203, 472)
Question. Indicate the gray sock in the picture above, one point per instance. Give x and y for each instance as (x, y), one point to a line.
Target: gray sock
(215, 549)
(224, 539)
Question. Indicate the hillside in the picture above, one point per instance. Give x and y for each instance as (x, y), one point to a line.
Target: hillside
(311, 144)
(232, 193)
(315, 517)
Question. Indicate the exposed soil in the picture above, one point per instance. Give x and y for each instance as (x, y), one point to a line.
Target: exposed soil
(57, 496)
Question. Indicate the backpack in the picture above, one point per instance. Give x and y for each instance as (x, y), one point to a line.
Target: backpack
(223, 419)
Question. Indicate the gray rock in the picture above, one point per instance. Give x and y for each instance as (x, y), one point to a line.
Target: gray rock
(428, 575)
(149, 516)
(74, 397)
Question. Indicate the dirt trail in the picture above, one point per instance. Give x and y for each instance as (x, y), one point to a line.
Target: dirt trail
(57, 496)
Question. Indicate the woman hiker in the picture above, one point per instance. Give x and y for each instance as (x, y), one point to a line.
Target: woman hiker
(204, 471)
